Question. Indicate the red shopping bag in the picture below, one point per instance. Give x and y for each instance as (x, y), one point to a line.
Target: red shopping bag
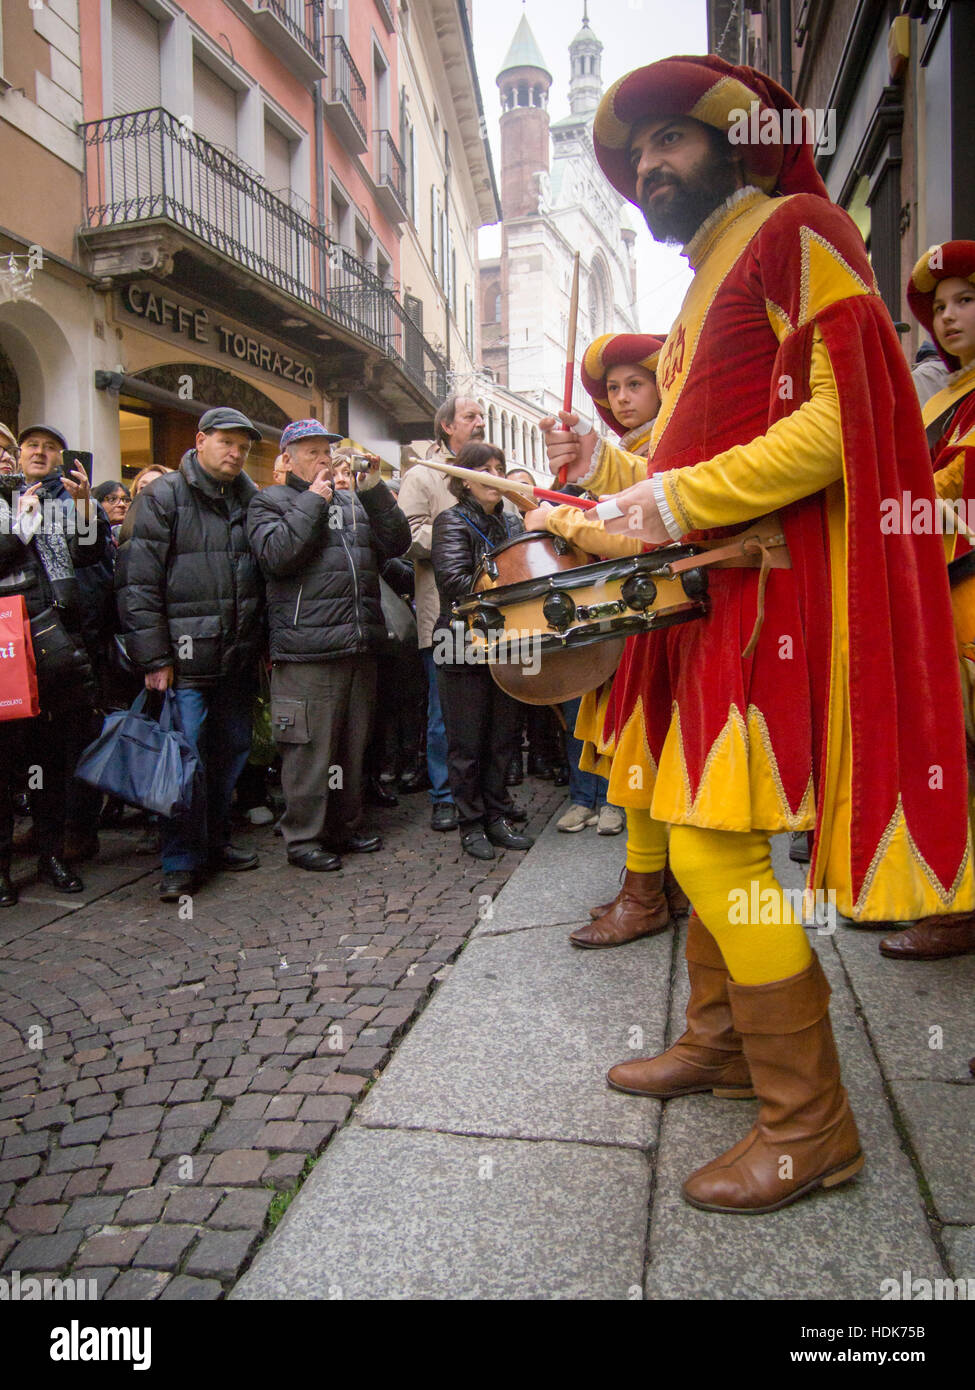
(18, 672)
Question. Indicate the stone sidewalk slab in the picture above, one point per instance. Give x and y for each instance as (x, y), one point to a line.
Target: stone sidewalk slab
(911, 1004)
(436, 1216)
(520, 1041)
(559, 881)
(839, 1244)
(940, 1118)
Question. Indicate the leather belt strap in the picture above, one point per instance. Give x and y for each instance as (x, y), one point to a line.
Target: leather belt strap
(762, 547)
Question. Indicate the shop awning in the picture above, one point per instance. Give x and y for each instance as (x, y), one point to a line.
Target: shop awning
(122, 385)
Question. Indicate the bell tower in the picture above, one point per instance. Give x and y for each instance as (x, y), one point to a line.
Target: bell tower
(524, 82)
(585, 53)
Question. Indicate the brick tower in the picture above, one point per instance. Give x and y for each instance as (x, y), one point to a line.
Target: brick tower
(524, 82)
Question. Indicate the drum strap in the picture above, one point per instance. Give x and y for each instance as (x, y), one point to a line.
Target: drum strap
(763, 547)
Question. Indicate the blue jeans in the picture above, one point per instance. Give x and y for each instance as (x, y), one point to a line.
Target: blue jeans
(217, 721)
(585, 788)
(436, 735)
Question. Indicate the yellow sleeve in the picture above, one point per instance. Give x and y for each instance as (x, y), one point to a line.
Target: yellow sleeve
(796, 456)
(613, 469)
(949, 482)
(591, 536)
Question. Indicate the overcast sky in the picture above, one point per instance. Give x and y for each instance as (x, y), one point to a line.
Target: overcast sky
(632, 32)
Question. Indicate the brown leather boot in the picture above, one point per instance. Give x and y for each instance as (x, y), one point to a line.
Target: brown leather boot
(805, 1136)
(933, 938)
(603, 908)
(640, 910)
(709, 1056)
(677, 900)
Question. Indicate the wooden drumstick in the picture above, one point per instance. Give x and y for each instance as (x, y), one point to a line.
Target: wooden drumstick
(953, 522)
(570, 355)
(518, 492)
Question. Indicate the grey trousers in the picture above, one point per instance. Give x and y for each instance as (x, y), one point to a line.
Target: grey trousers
(321, 714)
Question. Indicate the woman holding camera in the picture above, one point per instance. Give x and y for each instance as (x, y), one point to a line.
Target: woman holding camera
(482, 722)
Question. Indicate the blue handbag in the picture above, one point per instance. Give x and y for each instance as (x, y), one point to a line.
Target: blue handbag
(143, 761)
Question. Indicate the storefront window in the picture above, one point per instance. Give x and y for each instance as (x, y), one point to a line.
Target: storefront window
(135, 441)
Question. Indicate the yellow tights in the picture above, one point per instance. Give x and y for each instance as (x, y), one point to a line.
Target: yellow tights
(726, 874)
(646, 842)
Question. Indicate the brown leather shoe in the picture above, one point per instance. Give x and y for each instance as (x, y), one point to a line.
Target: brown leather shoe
(709, 1056)
(933, 938)
(640, 910)
(805, 1137)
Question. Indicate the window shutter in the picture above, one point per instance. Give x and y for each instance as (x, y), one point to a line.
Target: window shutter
(277, 161)
(214, 107)
(136, 83)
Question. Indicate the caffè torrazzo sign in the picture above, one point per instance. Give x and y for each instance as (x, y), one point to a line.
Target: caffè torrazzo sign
(208, 333)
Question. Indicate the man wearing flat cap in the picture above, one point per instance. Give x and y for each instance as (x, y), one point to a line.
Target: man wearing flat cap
(191, 602)
(321, 550)
(785, 396)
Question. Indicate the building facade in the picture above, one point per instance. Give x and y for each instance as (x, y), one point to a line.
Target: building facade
(207, 203)
(892, 81)
(554, 201)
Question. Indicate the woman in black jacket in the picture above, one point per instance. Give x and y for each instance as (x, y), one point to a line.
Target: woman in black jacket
(482, 722)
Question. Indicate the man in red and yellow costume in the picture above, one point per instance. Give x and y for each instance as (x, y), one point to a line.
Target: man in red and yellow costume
(822, 696)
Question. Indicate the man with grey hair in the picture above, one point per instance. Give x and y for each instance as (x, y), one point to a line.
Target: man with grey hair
(423, 496)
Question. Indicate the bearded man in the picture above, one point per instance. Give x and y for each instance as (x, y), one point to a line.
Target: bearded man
(784, 396)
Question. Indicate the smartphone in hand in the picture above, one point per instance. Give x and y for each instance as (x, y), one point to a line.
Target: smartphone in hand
(75, 458)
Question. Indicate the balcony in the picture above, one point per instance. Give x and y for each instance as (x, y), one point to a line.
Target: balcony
(153, 188)
(281, 26)
(386, 10)
(345, 97)
(390, 177)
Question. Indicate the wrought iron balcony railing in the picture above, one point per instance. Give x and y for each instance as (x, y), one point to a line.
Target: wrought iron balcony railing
(291, 13)
(148, 166)
(345, 84)
(390, 169)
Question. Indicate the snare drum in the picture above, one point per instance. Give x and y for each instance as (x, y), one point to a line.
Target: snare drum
(551, 636)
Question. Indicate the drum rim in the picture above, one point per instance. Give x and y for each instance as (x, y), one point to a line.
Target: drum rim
(962, 567)
(622, 628)
(598, 572)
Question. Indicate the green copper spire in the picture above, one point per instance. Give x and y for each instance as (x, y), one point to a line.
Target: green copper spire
(524, 51)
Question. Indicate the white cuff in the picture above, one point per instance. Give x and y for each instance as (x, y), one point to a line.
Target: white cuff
(674, 528)
(27, 525)
(364, 481)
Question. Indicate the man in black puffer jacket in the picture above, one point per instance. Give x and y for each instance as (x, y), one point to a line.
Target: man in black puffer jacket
(191, 603)
(321, 551)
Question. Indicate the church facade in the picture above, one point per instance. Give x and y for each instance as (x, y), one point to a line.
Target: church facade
(554, 201)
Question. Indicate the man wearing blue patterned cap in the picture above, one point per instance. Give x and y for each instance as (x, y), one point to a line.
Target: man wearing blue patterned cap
(321, 550)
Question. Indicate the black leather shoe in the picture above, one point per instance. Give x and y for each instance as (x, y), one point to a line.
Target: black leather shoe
(799, 847)
(443, 816)
(54, 871)
(515, 814)
(177, 885)
(500, 833)
(8, 893)
(514, 776)
(540, 767)
(560, 775)
(357, 844)
(378, 795)
(318, 861)
(476, 844)
(233, 860)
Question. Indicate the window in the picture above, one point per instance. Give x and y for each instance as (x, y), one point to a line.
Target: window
(214, 108)
(436, 231)
(380, 89)
(341, 219)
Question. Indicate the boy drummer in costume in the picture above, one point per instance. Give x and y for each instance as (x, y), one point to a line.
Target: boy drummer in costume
(618, 372)
(941, 293)
(783, 391)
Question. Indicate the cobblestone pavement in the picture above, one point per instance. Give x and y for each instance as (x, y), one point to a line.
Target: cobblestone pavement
(166, 1081)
